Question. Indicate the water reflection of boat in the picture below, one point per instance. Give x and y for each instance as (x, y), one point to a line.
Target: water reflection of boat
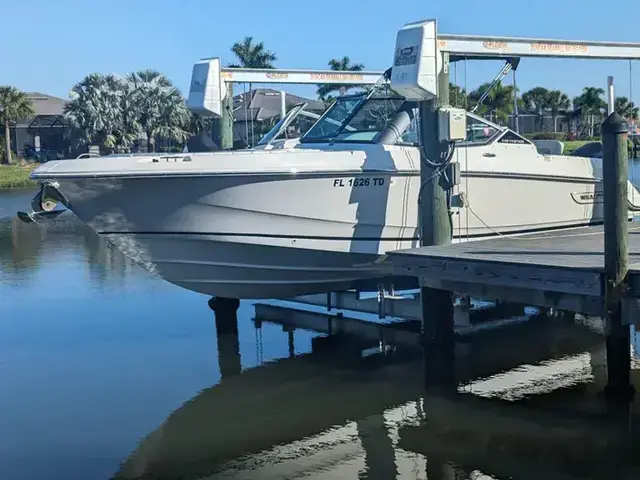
(524, 441)
(23, 247)
(277, 404)
(335, 412)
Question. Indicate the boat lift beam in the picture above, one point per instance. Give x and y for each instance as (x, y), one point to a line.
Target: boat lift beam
(209, 78)
(474, 47)
(298, 76)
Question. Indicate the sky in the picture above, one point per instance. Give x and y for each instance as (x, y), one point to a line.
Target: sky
(50, 46)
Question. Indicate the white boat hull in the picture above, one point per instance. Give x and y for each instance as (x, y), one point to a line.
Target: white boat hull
(243, 236)
(237, 267)
(313, 219)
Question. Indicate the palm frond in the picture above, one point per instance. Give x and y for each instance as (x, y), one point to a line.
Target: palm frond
(339, 65)
(252, 55)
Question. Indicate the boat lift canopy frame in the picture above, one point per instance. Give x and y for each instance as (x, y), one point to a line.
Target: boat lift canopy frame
(209, 78)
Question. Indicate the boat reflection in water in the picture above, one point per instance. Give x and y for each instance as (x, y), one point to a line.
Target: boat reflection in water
(94, 352)
(352, 408)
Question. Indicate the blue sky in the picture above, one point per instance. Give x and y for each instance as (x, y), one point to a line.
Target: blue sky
(52, 45)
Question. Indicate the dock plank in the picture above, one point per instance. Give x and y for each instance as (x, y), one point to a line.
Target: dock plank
(569, 261)
(580, 248)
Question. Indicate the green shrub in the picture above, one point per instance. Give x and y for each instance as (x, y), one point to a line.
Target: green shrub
(3, 156)
(561, 136)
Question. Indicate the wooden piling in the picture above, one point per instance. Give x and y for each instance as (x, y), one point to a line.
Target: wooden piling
(222, 128)
(229, 362)
(435, 229)
(616, 255)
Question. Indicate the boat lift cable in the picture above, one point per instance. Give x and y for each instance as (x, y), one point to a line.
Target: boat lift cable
(466, 151)
(633, 182)
(455, 101)
(498, 78)
(246, 114)
(235, 125)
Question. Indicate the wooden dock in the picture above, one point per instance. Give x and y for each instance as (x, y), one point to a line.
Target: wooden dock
(563, 269)
(578, 270)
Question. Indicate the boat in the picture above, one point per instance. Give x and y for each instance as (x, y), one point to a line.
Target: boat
(318, 214)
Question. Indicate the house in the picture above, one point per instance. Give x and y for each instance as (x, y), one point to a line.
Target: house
(44, 133)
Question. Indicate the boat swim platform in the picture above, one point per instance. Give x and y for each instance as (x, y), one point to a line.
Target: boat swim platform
(562, 269)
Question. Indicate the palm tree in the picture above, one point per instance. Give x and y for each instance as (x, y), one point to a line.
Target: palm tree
(96, 113)
(158, 107)
(626, 108)
(14, 105)
(498, 104)
(557, 101)
(339, 65)
(537, 100)
(590, 103)
(199, 123)
(252, 55)
(457, 96)
(112, 112)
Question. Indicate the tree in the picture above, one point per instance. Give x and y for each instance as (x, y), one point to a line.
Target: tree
(252, 55)
(14, 105)
(199, 123)
(457, 96)
(100, 113)
(339, 65)
(158, 107)
(625, 108)
(557, 101)
(113, 112)
(590, 103)
(498, 104)
(537, 100)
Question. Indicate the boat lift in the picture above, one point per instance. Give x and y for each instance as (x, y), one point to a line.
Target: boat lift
(432, 52)
(209, 78)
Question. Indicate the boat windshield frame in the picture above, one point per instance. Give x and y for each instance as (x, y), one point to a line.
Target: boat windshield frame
(283, 123)
(364, 99)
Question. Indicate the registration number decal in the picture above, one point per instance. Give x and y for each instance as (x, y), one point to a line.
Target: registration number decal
(359, 182)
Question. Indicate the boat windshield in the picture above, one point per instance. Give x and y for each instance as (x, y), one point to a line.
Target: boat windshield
(281, 126)
(354, 119)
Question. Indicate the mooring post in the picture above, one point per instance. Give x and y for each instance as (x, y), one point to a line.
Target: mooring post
(616, 255)
(229, 361)
(435, 229)
(222, 128)
(226, 312)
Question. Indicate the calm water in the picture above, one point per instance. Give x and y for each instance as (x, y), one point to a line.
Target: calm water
(107, 372)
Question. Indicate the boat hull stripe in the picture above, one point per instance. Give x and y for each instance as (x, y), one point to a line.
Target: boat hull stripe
(365, 239)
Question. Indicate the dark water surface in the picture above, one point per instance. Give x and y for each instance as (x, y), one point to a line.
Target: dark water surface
(108, 372)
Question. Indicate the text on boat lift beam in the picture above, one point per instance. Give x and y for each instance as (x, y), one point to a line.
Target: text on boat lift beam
(479, 47)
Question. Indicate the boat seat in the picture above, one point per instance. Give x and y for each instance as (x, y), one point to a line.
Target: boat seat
(201, 143)
(549, 147)
(591, 150)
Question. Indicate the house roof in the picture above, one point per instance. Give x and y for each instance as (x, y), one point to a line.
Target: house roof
(45, 104)
(265, 103)
(47, 108)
